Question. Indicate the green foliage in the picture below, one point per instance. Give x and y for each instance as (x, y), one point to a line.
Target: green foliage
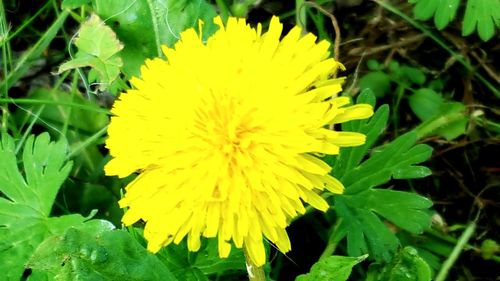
(143, 26)
(240, 8)
(372, 219)
(73, 4)
(440, 117)
(425, 103)
(198, 265)
(98, 48)
(406, 265)
(380, 80)
(431, 247)
(29, 58)
(333, 268)
(489, 248)
(109, 255)
(75, 120)
(444, 11)
(25, 209)
(483, 13)
(360, 206)
(397, 160)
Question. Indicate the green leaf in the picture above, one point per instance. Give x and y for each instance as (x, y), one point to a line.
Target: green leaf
(196, 265)
(374, 65)
(404, 209)
(333, 268)
(27, 201)
(489, 248)
(397, 160)
(424, 9)
(444, 11)
(98, 48)
(45, 168)
(378, 81)
(450, 122)
(412, 74)
(372, 128)
(360, 206)
(209, 262)
(143, 26)
(73, 4)
(425, 103)
(83, 255)
(485, 14)
(407, 265)
(365, 232)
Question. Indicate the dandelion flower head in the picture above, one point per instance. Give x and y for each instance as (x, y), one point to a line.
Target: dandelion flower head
(226, 137)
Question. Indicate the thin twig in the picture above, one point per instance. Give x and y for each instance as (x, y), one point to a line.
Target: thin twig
(335, 25)
(486, 68)
(452, 258)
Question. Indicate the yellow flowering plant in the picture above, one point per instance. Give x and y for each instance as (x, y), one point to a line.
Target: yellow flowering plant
(228, 137)
(227, 134)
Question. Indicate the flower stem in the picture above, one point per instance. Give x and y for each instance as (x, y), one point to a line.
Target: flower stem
(300, 14)
(452, 258)
(255, 273)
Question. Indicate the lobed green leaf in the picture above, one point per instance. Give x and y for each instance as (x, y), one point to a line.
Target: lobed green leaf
(361, 207)
(406, 210)
(485, 14)
(396, 160)
(27, 201)
(98, 48)
(350, 157)
(333, 268)
(143, 26)
(365, 232)
(84, 255)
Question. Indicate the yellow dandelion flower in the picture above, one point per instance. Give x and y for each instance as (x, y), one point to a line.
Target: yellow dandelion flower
(226, 136)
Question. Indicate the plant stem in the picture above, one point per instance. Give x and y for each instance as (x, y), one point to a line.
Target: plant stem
(6, 63)
(300, 14)
(27, 59)
(54, 102)
(332, 241)
(154, 20)
(462, 241)
(426, 128)
(395, 115)
(255, 273)
(82, 145)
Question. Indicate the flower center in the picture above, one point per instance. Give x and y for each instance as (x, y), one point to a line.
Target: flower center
(224, 124)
